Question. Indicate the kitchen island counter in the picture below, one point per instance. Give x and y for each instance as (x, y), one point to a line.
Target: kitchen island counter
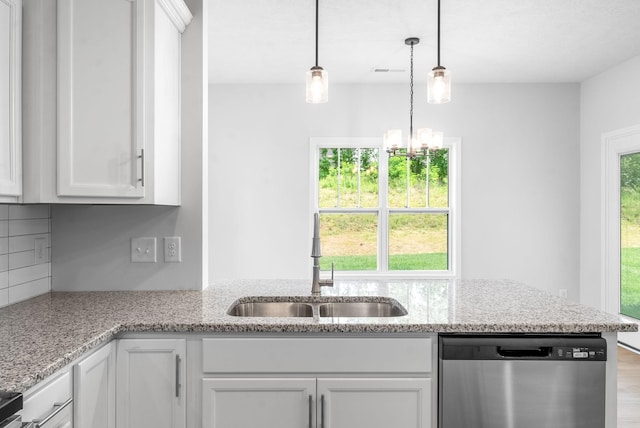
(43, 334)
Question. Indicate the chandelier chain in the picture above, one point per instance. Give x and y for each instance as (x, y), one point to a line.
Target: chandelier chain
(411, 96)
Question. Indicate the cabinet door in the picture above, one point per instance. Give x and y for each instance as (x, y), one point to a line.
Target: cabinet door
(95, 389)
(374, 403)
(10, 106)
(151, 383)
(264, 403)
(101, 97)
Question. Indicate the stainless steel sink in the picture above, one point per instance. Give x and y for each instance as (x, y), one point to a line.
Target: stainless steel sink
(361, 309)
(324, 306)
(271, 309)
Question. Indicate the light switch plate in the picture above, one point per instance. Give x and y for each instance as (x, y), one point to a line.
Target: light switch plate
(172, 249)
(143, 250)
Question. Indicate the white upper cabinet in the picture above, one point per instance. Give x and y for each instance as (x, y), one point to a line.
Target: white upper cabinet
(10, 96)
(114, 76)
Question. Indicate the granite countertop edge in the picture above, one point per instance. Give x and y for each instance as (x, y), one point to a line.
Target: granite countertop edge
(112, 333)
(83, 321)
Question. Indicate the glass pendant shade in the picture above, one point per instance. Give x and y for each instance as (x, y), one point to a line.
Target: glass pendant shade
(393, 139)
(423, 138)
(437, 140)
(317, 85)
(439, 86)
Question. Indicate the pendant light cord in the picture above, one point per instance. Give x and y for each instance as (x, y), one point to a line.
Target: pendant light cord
(411, 96)
(438, 33)
(317, 32)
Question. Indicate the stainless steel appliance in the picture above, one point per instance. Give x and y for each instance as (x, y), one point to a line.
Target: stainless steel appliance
(10, 405)
(521, 381)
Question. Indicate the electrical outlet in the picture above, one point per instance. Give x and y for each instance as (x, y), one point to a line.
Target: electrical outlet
(40, 247)
(563, 293)
(172, 250)
(143, 250)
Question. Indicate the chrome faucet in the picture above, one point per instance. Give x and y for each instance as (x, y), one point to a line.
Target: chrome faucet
(316, 255)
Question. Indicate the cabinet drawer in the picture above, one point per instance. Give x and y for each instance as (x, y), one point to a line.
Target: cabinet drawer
(317, 355)
(40, 399)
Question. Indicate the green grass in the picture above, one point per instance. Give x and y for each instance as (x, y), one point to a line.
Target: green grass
(431, 261)
(630, 282)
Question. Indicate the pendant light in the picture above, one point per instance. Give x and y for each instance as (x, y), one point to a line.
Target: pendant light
(439, 80)
(317, 77)
(419, 141)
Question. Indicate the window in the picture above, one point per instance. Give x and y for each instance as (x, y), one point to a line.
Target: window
(386, 215)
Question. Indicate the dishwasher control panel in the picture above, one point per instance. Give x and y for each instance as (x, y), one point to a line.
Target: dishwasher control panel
(522, 347)
(582, 353)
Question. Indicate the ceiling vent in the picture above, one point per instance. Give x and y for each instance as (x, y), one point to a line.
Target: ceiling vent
(387, 70)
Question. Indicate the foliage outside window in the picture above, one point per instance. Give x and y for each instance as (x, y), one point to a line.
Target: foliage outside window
(630, 235)
(382, 214)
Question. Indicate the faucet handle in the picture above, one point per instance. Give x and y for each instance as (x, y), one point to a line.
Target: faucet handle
(327, 282)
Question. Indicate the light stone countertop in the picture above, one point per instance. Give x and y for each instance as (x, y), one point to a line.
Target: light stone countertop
(44, 334)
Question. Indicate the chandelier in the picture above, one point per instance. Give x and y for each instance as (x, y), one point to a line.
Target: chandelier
(419, 141)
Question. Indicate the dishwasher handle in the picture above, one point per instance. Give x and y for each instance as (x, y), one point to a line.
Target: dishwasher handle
(524, 352)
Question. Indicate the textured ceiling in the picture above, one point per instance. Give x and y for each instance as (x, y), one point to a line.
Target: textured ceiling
(272, 41)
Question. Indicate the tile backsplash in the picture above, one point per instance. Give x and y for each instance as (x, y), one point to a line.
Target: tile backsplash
(25, 252)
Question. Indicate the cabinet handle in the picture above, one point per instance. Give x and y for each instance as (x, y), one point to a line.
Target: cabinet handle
(322, 411)
(141, 157)
(177, 376)
(310, 411)
(57, 408)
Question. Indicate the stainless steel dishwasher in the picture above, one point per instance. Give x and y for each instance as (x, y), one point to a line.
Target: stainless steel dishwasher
(521, 381)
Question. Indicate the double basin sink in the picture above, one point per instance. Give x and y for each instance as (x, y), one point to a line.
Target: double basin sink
(327, 306)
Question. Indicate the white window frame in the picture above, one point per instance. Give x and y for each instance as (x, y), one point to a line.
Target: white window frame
(615, 144)
(453, 144)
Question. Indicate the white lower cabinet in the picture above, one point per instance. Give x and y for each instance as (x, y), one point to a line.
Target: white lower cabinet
(150, 386)
(284, 381)
(50, 403)
(94, 390)
(374, 403)
(317, 382)
(264, 403)
(321, 403)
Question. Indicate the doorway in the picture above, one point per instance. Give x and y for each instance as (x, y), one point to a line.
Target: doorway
(621, 219)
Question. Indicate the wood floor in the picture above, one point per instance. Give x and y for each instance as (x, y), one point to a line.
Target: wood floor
(628, 389)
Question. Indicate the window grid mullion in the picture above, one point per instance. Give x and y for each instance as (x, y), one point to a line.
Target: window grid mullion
(427, 162)
(339, 184)
(359, 168)
(383, 216)
(408, 163)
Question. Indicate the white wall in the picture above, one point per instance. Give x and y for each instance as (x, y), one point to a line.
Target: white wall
(92, 243)
(608, 101)
(520, 183)
(25, 271)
